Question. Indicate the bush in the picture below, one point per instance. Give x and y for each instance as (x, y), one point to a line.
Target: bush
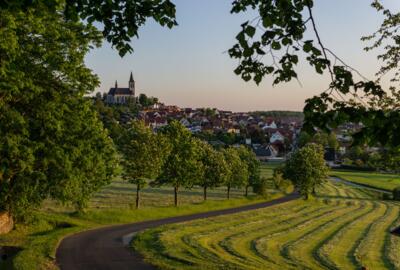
(261, 187)
(396, 194)
(386, 196)
(281, 183)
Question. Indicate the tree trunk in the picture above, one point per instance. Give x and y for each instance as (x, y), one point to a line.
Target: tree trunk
(137, 196)
(6, 222)
(229, 191)
(247, 191)
(176, 196)
(205, 193)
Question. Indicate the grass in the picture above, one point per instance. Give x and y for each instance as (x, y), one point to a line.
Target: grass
(342, 228)
(39, 237)
(377, 180)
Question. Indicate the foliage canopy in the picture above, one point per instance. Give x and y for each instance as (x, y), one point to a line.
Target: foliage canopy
(51, 140)
(306, 169)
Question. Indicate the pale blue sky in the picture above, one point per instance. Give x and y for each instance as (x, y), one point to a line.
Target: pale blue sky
(187, 66)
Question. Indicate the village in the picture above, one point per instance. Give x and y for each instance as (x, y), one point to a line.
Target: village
(272, 135)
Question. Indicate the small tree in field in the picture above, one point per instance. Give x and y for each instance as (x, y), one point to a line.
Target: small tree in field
(238, 175)
(253, 167)
(261, 187)
(182, 166)
(306, 168)
(143, 153)
(396, 194)
(215, 168)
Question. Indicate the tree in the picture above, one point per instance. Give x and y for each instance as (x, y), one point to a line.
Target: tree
(143, 154)
(332, 141)
(120, 19)
(147, 101)
(306, 169)
(320, 138)
(281, 30)
(257, 135)
(238, 175)
(279, 182)
(52, 143)
(261, 187)
(182, 165)
(214, 166)
(396, 194)
(304, 138)
(253, 167)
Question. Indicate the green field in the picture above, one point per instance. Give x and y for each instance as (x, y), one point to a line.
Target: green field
(343, 228)
(39, 238)
(377, 180)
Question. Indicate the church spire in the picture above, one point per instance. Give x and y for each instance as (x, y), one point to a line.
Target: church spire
(116, 84)
(132, 84)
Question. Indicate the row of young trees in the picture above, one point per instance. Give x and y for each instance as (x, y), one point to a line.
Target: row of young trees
(174, 157)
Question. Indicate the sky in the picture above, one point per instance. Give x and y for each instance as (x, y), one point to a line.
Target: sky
(188, 66)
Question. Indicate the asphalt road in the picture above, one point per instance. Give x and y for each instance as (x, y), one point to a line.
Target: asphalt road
(107, 248)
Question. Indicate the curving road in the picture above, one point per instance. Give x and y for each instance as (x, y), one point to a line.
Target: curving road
(107, 248)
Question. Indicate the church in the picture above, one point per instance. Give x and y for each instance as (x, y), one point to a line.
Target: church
(118, 95)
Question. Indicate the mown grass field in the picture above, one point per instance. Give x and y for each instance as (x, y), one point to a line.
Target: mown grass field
(377, 180)
(343, 228)
(39, 237)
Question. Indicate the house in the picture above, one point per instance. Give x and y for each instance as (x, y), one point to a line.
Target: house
(184, 122)
(271, 125)
(233, 130)
(118, 95)
(276, 136)
(265, 152)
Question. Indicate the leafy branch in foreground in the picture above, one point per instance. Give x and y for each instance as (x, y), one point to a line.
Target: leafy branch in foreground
(279, 32)
(120, 20)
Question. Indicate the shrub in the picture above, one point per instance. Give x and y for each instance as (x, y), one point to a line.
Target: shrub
(386, 196)
(261, 187)
(281, 183)
(396, 194)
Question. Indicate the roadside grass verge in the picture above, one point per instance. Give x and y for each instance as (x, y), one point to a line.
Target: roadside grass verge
(376, 180)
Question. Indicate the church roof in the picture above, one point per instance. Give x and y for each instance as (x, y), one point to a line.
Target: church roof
(119, 91)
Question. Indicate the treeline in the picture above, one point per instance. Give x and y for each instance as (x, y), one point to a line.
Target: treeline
(175, 158)
(380, 159)
(278, 114)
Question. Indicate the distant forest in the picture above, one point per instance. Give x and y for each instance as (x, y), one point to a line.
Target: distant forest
(278, 114)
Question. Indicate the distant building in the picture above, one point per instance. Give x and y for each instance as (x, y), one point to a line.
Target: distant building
(265, 152)
(118, 95)
(277, 136)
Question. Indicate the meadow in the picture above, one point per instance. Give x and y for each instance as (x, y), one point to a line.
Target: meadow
(36, 239)
(384, 181)
(342, 228)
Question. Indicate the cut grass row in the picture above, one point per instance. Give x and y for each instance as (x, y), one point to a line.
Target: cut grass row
(345, 228)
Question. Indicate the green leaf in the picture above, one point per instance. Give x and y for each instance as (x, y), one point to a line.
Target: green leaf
(307, 47)
(276, 45)
(250, 31)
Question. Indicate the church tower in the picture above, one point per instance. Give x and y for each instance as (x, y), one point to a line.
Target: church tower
(132, 85)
